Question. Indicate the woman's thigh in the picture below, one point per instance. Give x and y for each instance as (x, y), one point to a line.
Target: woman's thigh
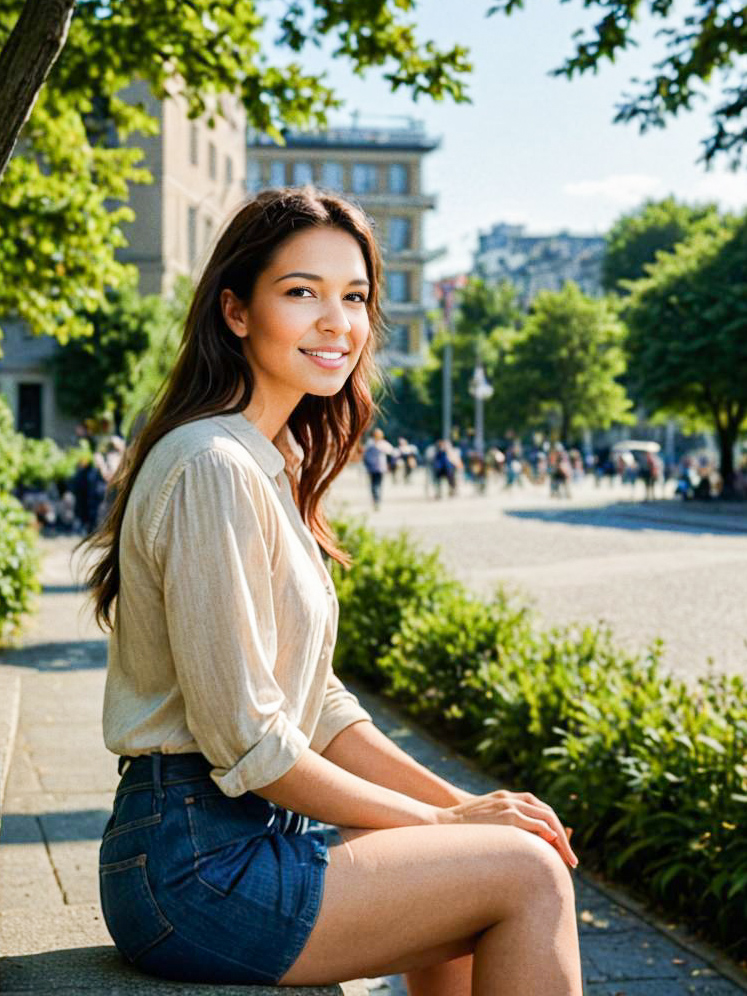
(404, 898)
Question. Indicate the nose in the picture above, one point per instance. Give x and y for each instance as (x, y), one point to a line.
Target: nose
(333, 318)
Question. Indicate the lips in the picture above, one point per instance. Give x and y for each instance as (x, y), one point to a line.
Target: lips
(326, 354)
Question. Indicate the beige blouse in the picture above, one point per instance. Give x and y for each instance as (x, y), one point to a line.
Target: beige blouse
(226, 616)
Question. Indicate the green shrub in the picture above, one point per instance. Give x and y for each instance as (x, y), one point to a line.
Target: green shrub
(11, 444)
(44, 463)
(650, 772)
(389, 576)
(19, 565)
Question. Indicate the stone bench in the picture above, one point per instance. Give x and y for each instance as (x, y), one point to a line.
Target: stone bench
(100, 971)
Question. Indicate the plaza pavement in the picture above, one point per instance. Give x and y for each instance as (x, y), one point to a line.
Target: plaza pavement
(664, 569)
(59, 793)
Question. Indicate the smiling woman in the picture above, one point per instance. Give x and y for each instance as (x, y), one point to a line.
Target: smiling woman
(233, 730)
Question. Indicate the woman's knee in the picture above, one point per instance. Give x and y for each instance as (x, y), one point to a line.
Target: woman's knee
(537, 871)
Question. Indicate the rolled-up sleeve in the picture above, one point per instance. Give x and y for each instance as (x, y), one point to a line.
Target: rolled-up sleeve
(339, 710)
(216, 572)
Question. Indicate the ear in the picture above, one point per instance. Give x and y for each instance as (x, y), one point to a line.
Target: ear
(234, 313)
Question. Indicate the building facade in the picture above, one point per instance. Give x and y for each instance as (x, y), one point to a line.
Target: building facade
(539, 262)
(380, 168)
(198, 174)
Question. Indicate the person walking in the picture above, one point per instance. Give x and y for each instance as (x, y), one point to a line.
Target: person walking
(376, 461)
(233, 731)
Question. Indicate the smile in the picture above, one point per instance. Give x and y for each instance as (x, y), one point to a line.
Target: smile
(324, 354)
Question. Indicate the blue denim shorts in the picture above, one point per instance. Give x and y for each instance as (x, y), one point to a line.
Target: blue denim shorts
(200, 887)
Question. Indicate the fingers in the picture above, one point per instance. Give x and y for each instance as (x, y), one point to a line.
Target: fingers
(543, 815)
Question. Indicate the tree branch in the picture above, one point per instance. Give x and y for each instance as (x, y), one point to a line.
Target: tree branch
(29, 53)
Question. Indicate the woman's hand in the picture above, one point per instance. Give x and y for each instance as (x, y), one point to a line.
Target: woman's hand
(518, 809)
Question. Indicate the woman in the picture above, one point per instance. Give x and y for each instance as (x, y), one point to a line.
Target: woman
(233, 730)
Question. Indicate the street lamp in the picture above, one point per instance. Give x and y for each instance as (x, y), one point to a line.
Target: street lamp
(481, 390)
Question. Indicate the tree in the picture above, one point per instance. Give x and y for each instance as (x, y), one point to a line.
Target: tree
(635, 238)
(703, 45)
(565, 366)
(62, 196)
(687, 338)
(100, 373)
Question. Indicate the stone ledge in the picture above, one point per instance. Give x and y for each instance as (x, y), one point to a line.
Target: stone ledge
(10, 701)
(100, 971)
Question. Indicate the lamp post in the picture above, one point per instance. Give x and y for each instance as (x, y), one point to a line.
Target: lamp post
(446, 290)
(481, 390)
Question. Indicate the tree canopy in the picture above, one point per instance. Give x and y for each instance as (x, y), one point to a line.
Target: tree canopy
(705, 44)
(688, 332)
(564, 369)
(634, 239)
(62, 196)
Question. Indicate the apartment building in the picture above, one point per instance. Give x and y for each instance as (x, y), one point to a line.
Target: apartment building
(379, 167)
(539, 262)
(198, 174)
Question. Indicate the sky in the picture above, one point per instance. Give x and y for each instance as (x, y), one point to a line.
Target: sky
(534, 149)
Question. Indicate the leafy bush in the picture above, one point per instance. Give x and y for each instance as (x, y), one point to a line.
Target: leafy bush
(390, 575)
(19, 565)
(651, 773)
(11, 444)
(44, 463)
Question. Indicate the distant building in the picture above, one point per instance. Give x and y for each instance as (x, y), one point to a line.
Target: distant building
(198, 178)
(381, 169)
(198, 175)
(539, 262)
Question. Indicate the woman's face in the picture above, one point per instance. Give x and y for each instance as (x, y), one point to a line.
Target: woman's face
(306, 322)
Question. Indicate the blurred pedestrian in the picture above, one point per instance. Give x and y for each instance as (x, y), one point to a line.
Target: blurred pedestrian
(376, 461)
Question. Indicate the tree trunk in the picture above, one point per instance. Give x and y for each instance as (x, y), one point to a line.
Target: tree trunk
(727, 437)
(27, 56)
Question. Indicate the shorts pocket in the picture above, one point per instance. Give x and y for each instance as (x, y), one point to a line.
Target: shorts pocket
(131, 912)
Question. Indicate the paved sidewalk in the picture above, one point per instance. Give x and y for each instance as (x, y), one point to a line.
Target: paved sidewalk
(58, 796)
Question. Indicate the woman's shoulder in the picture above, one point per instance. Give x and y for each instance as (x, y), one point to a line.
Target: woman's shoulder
(202, 441)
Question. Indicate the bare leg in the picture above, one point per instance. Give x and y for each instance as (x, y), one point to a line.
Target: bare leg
(411, 898)
(449, 978)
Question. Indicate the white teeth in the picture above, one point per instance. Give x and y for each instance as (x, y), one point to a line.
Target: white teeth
(324, 355)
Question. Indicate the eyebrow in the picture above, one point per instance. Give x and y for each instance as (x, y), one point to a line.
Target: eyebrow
(315, 276)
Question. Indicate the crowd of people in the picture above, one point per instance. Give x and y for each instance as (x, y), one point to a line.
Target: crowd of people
(78, 504)
(447, 464)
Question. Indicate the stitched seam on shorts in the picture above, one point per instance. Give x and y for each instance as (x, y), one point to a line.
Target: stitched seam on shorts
(145, 821)
(196, 853)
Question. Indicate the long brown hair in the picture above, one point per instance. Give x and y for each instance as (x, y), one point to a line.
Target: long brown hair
(211, 367)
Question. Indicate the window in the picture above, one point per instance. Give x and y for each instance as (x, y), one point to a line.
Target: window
(194, 138)
(192, 235)
(400, 234)
(398, 179)
(365, 178)
(332, 176)
(253, 176)
(30, 410)
(303, 173)
(229, 171)
(277, 174)
(212, 160)
(398, 286)
(398, 339)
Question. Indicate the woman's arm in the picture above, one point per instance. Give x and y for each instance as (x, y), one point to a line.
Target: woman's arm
(321, 789)
(364, 750)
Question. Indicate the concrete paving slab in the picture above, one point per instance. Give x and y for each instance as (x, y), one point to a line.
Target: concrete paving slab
(10, 700)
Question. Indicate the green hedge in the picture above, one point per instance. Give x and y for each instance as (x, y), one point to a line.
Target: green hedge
(19, 566)
(650, 772)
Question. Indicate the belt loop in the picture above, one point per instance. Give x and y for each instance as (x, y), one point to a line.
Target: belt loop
(157, 785)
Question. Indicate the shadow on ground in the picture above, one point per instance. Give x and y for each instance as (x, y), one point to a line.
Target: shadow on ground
(56, 828)
(78, 655)
(622, 515)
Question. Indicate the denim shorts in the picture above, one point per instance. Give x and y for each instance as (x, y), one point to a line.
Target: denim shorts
(200, 887)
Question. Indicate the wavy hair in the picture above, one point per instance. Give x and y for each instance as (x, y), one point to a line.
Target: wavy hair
(211, 367)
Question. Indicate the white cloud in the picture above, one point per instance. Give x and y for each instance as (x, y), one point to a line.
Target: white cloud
(729, 189)
(623, 190)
